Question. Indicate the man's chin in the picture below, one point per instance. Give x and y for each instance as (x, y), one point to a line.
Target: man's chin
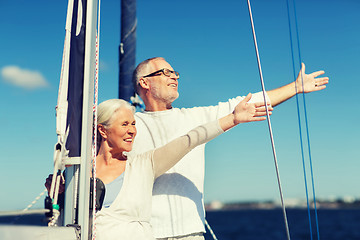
(174, 97)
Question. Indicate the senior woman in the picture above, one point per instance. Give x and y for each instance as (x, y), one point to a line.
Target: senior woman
(129, 179)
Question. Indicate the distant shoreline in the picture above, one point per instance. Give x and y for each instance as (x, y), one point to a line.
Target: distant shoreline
(290, 204)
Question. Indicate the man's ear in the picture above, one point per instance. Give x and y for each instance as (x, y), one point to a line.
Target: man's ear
(102, 131)
(144, 83)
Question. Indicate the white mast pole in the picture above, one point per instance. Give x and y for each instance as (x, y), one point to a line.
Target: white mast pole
(87, 119)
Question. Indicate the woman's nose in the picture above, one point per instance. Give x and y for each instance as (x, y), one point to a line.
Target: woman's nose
(132, 129)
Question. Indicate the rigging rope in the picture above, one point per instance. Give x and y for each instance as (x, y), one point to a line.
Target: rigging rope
(269, 123)
(210, 230)
(26, 210)
(306, 121)
(298, 114)
(95, 122)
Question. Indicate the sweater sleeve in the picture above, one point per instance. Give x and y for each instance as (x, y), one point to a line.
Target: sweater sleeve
(222, 109)
(168, 155)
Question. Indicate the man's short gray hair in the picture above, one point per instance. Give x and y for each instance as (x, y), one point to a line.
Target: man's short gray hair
(140, 70)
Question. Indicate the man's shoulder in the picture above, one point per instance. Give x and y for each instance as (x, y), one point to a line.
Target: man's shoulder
(175, 113)
(170, 112)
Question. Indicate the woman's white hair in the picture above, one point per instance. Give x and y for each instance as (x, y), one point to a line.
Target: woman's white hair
(106, 111)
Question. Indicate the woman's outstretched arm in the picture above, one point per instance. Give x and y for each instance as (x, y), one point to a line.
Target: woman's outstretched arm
(167, 156)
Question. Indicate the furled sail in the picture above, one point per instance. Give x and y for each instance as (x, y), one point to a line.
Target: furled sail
(127, 50)
(70, 98)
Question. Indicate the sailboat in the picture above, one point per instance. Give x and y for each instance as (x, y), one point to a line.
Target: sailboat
(77, 153)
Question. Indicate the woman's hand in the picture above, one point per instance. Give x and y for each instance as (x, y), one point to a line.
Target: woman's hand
(49, 180)
(250, 112)
(245, 112)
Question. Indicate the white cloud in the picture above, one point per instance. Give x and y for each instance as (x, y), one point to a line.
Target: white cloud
(23, 78)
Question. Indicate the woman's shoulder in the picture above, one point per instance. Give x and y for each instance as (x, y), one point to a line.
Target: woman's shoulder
(142, 162)
(134, 158)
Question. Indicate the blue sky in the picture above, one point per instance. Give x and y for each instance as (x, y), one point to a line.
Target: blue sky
(210, 44)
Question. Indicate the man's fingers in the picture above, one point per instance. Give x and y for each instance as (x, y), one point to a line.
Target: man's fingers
(323, 80)
(317, 73)
(318, 88)
(302, 68)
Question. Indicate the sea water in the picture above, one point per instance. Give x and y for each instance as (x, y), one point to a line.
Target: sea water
(334, 224)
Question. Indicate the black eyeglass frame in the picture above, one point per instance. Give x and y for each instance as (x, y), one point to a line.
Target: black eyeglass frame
(167, 73)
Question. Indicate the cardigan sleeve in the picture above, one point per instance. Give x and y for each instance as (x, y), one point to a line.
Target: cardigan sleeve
(168, 155)
(211, 113)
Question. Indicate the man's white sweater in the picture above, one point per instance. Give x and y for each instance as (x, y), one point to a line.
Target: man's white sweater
(178, 203)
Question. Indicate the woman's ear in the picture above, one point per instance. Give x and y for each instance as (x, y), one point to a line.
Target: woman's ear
(144, 83)
(102, 131)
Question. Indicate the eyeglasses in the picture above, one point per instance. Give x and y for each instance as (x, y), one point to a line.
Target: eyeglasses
(165, 71)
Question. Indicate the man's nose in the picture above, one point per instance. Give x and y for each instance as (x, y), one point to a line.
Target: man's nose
(174, 76)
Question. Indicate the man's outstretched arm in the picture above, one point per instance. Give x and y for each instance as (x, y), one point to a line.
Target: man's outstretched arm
(304, 83)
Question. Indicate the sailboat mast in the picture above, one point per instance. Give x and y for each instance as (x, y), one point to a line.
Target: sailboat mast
(127, 48)
(77, 95)
(87, 120)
